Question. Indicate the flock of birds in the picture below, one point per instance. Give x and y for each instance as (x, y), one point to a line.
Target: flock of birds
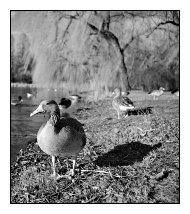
(65, 136)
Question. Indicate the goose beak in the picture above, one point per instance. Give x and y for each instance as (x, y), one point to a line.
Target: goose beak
(38, 110)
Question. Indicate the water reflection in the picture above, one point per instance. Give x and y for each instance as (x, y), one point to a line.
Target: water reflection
(24, 128)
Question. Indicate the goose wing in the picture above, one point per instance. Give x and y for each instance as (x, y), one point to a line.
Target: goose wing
(70, 129)
(126, 101)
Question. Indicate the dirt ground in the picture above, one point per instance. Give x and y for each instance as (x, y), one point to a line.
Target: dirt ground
(131, 160)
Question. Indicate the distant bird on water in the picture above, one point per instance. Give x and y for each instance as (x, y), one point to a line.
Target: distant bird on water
(19, 101)
(157, 93)
(64, 137)
(121, 103)
(28, 95)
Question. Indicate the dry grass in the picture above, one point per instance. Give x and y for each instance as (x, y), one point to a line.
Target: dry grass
(132, 160)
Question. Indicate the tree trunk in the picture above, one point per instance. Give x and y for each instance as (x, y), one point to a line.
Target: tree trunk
(124, 74)
(112, 39)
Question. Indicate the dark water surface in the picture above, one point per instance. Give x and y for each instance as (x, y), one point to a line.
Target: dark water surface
(23, 127)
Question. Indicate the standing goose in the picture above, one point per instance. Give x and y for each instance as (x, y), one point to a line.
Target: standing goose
(63, 137)
(121, 103)
(17, 102)
(157, 93)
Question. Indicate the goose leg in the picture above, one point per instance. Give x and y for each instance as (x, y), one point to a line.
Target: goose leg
(126, 114)
(74, 164)
(53, 164)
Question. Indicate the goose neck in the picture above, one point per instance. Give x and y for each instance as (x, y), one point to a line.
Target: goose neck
(54, 118)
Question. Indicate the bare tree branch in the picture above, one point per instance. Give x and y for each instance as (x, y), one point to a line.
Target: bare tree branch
(106, 34)
(161, 24)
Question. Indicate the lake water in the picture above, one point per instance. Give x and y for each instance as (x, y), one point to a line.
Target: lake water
(23, 127)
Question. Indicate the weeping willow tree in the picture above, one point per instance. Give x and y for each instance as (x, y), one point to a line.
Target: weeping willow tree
(98, 50)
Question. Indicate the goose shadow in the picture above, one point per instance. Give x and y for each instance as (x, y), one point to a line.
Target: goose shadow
(140, 111)
(126, 154)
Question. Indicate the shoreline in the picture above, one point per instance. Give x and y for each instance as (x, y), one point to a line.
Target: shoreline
(32, 85)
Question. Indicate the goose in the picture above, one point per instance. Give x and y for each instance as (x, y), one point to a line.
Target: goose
(28, 95)
(157, 93)
(121, 103)
(64, 137)
(17, 102)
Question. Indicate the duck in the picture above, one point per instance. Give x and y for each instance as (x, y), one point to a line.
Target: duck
(19, 101)
(62, 137)
(66, 103)
(157, 93)
(121, 103)
(125, 93)
(28, 95)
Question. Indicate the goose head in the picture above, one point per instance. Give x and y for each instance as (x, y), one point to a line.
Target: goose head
(20, 99)
(46, 106)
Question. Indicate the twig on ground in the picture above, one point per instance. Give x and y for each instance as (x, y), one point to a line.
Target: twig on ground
(104, 172)
(143, 131)
(91, 199)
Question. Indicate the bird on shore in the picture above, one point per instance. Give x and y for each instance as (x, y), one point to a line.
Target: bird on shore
(66, 103)
(157, 93)
(175, 92)
(64, 137)
(121, 103)
(19, 101)
(28, 95)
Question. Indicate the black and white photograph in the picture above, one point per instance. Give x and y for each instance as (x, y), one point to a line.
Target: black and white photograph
(94, 106)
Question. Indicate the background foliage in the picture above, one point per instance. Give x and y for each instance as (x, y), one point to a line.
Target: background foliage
(96, 50)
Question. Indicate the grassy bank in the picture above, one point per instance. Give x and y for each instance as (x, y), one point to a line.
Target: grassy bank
(132, 160)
